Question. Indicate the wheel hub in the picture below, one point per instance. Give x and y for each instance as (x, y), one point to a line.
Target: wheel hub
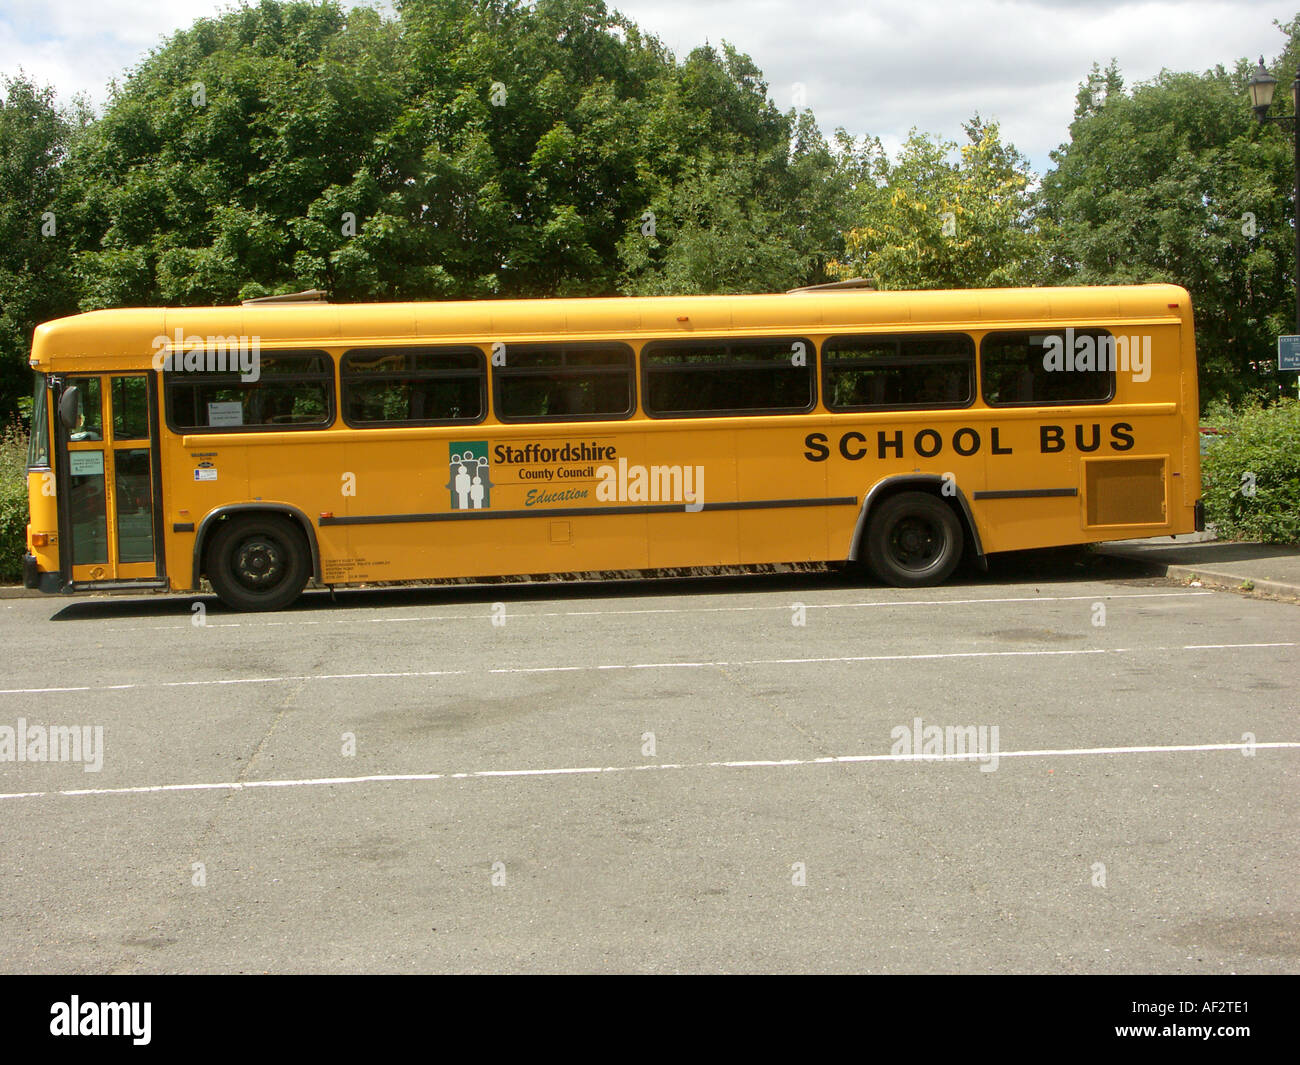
(259, 563)
(914, 542)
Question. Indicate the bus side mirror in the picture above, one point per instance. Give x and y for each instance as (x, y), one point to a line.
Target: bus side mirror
(70, 407)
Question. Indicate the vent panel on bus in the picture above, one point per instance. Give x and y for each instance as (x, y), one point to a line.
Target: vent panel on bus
(1126, 491)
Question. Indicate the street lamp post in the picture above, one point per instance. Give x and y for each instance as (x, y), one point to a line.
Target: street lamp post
(1262, 85)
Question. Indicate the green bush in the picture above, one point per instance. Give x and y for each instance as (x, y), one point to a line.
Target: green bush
(1251, 474)
(13, 503)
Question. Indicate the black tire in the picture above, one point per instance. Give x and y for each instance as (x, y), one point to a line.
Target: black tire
(257, 562)
(914, 539)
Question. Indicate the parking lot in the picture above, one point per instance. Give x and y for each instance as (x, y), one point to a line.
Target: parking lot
(705, 774)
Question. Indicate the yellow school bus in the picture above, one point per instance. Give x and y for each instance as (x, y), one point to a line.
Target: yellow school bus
(276, 443)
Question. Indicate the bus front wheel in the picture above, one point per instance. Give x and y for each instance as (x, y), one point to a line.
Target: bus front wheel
(913, 539)
(257, 562)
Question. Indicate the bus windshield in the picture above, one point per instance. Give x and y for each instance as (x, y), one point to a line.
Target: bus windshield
(38, 446)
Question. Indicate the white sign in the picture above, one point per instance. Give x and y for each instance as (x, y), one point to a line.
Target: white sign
(231, 413)
(86, 463)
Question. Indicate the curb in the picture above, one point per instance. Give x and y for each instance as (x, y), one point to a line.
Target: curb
(1211, 574)
(17, 591)
(1231, 581)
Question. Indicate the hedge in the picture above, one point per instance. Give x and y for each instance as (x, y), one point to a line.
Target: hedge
(13, 503)
(1251, 474)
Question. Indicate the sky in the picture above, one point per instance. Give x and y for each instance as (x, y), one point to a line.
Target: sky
(870, 67)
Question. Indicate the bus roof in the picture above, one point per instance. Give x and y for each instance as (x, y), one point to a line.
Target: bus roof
(128, 338)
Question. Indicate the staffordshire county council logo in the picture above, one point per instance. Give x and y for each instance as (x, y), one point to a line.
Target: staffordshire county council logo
(470, 484)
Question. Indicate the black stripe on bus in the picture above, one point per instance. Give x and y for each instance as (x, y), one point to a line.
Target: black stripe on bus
(1027, 493)
(577, 512)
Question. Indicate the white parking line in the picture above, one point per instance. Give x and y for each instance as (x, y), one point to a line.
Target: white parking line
(303, 677)
(780, 763)
(186, 620)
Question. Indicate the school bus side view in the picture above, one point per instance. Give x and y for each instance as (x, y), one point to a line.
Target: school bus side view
(263, 447)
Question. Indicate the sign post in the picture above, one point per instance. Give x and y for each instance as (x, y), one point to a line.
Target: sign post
(1288, 356)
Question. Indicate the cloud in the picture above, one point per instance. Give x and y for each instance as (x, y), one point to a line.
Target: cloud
(873, 68)
(884, 68)
(79, 47)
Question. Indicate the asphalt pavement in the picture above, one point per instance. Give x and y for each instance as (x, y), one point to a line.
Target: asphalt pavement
(1064, 765)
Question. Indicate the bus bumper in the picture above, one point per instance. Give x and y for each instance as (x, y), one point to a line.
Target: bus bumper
(33, 578)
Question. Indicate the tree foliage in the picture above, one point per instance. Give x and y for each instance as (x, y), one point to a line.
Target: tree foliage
(494, 148)
(473, 148)
(36, 278)
(931, 221)
(1175, 181)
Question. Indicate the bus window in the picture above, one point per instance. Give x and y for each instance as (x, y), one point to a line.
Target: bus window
(38, 446)
(130, 405)
(932, 370)
(412, 386)
(575, 382)
(685, 378)
(293, 390)
(90, 418)
(1015, 368)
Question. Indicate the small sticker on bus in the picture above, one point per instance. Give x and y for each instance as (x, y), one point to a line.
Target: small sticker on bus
(205, 475)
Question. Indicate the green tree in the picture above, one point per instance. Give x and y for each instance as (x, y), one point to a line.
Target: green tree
(203, 179)
(470, 148)
(1174, 181)
(747, 199)
(932, 221)
(36, 279)
(531, 115)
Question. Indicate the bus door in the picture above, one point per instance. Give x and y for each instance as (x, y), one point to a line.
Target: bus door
(108, 479)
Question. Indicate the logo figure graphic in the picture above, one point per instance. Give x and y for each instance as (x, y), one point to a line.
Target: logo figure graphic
(470, 483)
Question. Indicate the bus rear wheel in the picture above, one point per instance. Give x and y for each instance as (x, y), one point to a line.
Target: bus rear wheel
(913, 539)
(257, 562)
